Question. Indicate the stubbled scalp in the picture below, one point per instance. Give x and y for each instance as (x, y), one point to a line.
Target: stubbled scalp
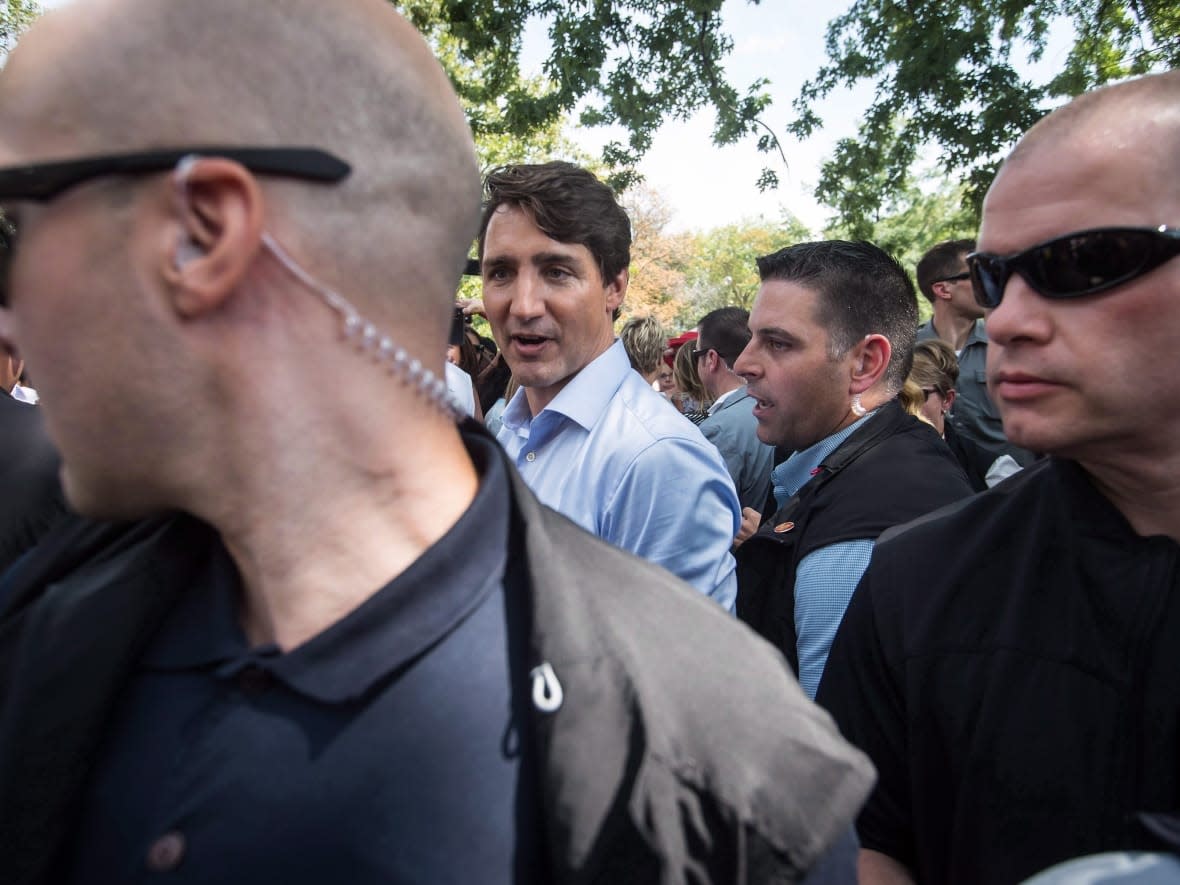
(1152, 101)
(351, 77)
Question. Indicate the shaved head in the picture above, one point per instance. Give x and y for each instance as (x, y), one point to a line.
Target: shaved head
(1131, 116)
(351, 77)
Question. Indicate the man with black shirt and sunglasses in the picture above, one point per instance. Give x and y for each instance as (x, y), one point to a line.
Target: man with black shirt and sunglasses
(1019, 698)
(957, 318)
(336, 639)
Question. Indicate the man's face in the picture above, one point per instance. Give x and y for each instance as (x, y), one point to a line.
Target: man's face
(802, 393)
(961, 297)
(549, 307)
(715, 375)
(1090, 377)
(75, 309)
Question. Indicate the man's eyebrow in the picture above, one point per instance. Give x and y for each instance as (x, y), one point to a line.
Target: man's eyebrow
(774, 332)
(543, 258)
(497, 261)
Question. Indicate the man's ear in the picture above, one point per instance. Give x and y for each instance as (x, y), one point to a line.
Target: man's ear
(942, 291)
(218, 207)
(870, 359)
(616, 289)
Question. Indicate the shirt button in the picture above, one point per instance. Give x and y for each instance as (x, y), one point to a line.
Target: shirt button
(531, 456)
(166, 853)
(253, 680)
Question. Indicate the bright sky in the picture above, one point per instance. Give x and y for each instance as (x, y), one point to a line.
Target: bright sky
(783, 41)
(707, 186)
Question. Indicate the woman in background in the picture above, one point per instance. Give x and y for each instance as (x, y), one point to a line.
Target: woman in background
(934, 375)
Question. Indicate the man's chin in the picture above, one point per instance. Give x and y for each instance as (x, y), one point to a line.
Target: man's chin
(767, 434)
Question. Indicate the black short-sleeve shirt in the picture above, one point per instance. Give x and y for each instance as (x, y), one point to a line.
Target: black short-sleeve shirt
(388, 748)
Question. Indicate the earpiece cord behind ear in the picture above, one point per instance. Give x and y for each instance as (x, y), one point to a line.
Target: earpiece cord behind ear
(364, 335)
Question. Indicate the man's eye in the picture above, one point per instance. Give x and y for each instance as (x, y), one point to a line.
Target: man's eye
(557, 273)
(778, 345)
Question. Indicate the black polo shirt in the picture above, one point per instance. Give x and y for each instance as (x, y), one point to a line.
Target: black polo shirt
(388, 748)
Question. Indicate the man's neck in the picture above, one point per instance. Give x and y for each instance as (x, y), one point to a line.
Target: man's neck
(953, 328)
(315, 533)
(723, 384)
(539, 398)
(1145, 488)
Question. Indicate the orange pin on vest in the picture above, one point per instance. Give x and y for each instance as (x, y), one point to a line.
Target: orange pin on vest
(784, 527)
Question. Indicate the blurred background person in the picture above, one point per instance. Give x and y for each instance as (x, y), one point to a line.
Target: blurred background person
(665, 383)
(691, 399)
(493, 418)
(30, 491)
(934, 374)
(731, 426)
(643, 339)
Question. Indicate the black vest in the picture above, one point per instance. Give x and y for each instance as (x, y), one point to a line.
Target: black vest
(894, 468)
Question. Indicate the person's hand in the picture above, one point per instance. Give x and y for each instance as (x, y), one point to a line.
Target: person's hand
(471, 306)
(751, 519)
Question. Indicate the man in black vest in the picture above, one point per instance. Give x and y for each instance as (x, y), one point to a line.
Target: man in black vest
(833, 331)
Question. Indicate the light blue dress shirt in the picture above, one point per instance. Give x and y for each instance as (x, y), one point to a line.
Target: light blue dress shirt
(825, 578)
(616, 458)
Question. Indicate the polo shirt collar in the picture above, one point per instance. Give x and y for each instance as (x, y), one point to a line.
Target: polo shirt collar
(978, 334)
(386, 632)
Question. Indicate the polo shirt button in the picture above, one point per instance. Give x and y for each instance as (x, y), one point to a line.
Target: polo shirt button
(531, 456)
(166, 853)
(253, 680)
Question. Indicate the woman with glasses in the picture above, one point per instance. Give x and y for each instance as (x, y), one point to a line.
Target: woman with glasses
(935, 373)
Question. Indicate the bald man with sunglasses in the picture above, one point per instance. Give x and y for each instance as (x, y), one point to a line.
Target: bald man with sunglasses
(1010, 663)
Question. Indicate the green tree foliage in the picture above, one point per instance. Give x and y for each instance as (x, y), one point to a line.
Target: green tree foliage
(721, 270)
(15, 16)
(634, 63)
(915, 219)
(946, 73)
(658, 259)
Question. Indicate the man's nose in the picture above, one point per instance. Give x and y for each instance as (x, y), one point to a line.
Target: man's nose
(528, 300)
(745, 365)
(1022, 314)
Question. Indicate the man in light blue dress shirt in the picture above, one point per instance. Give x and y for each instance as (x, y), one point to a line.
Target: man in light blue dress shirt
(731, 425)
(588, 434)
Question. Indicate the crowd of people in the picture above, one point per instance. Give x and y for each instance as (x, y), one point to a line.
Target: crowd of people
(304, 579)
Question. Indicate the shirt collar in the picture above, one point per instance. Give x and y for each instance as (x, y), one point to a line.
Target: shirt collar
(795, 472)
(387, 631)
(728, 396)
(584, 399)
(978, 334)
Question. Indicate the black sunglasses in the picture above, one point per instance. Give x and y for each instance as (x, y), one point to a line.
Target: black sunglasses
(697, 353)
(45, 181)
(1082, 263)
(965, 275)
(41, 182)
